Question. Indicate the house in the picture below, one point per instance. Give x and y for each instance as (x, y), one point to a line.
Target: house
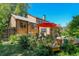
(25, 25)
(21, 25)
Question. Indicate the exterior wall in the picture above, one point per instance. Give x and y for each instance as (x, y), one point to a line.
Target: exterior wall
(15, 22)
(32, 28)
(47, 30)
(12, 22)
(20, 30)
(29, 29)
(30, 22)
(28, 18)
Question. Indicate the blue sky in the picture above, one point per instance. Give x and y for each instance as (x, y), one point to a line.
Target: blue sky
(59, 13)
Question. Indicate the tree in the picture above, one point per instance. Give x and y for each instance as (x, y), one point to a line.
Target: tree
(73, 26)
(21, 9)
(5, 13)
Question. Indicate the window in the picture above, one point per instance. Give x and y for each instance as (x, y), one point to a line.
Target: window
(18, 26)
(43, 29)
(33, 25)
(39, 21)
(23, 24)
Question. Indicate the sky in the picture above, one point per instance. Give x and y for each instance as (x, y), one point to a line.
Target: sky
(59, 13)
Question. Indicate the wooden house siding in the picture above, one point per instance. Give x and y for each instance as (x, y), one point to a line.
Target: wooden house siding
(19, 29)
(30, 24)
(28, 29)
(32, 29)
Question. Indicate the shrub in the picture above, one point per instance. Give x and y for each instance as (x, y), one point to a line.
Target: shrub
(32, 43)
(69, 49)
(62, 53)
(13, 39)
(42, 50)
(23, 42)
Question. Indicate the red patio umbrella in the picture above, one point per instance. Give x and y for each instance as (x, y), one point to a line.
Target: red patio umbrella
(47, 24)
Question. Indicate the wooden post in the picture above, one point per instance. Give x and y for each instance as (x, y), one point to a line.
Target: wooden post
(27, 27)
(38, 31)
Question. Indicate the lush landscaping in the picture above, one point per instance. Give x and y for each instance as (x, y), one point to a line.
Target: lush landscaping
(30, 46)
(24, 45)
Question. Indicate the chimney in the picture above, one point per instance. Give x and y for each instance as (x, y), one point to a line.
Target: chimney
(44, 17)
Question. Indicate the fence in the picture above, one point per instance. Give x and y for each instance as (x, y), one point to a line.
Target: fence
(8, 32)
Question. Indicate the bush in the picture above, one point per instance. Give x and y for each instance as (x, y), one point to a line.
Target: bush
(34, 47)
(23, 42)
(62, 53)
(69, 49)
(13, 39)
(42, 50)
(32, 43)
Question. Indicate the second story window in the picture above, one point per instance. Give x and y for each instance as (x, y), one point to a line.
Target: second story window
(39, 21)
(33, 25)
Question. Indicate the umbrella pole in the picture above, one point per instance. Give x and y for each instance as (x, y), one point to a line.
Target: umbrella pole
(53, 34)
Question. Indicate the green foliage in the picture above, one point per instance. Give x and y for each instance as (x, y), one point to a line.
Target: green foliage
(71, 49)
(65, 33)
(29, 46)
(5, 13)
(24, 42)
(13, 39)
(75, 22)
(34, 47)
(77, 51)
(32, 43)
(9, 50)
(41, 50)
(68, 48)
(21, 9)
(62, 53)
(73, 26)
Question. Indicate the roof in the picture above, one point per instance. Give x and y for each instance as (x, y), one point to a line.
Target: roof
(23, 18)
(43, 24)
(35, 17)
